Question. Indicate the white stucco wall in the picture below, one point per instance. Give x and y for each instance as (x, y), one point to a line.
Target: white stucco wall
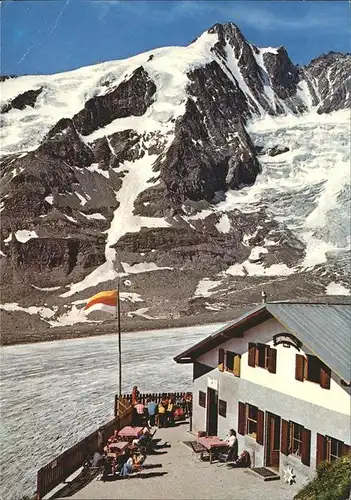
(336, 398)
(234, 389)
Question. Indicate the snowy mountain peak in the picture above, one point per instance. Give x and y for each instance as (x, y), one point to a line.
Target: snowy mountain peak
(150, 162)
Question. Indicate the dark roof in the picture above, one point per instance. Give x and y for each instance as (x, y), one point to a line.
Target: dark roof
(325, 329)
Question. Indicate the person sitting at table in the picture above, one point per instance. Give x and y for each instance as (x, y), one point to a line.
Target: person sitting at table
(134, 463)
(114, 437)
(143, 438)
(139, 460)
(232, 442)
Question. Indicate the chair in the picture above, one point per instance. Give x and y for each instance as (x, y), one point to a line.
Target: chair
(231, 456)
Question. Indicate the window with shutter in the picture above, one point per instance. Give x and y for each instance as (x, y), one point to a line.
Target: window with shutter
(334, 449)
(346, 449)
(321, 449)
(252, 354)
(313, 369)
(222, 408)
(251, 417)
(330, 449)
(300, 367)
(229, 365)
(272, 360)
(306, 447)
(325, 377)
(262, 355)
(260, 427)
(202, 399)
(242, 418)
(295, 439)
(237, 362)
(284, 447)
(221, 356)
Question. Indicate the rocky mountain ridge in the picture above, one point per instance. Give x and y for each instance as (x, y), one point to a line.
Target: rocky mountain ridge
(129, 166)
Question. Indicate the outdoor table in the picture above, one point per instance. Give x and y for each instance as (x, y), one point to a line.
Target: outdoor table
(211, 443)
(120, 446)
(113, 457)
(129, 432)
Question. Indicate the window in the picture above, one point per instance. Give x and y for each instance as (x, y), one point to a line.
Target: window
(222, 408)
(202, 399)
(251, 421)
(334, 449)
(296, 440)
(251, 425)
(330, 449)
(232, 364)
(262, 355)
(296, 431)
(230, 361)
(313, 369)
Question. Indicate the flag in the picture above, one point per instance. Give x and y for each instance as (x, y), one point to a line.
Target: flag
(102, 301)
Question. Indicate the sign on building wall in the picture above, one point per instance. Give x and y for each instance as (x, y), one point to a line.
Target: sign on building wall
(212, 383)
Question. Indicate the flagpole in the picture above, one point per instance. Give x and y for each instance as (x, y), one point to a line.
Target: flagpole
(119, 342)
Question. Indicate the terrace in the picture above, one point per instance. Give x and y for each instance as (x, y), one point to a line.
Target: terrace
(176, 472)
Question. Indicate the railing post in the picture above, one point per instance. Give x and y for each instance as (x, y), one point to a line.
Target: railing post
(116, 405)
(38, 497)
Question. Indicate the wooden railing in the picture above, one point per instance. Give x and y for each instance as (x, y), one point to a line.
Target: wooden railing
(154, 396)
(58, 470)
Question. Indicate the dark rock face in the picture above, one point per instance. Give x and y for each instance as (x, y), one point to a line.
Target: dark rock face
(230, 34)
(277, 150)
(28, 98)
(53, 257)
(64, 143)
(207, 154)
(6, 77)
(40, 175)
(130, 98)
(119, 147)
(331, 74)
(283, 74)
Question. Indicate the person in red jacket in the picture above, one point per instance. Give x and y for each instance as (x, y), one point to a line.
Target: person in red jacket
(135, 395)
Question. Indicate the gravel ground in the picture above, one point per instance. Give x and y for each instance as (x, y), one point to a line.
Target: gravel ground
(186, 477)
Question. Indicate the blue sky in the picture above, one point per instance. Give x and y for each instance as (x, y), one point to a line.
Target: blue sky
(48, 36)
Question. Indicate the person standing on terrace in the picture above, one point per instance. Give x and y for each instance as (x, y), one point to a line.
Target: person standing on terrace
(140, 408)
(152, 410)
(135, 395)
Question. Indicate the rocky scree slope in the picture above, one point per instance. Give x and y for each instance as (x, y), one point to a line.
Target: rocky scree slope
(129, 165)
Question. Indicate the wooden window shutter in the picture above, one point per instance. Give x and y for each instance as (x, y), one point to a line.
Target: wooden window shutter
(221, 360)
(252, 354)
(300, 367)
(321, 448)
(345, 449)
(284, 445)
(325, 377)
(237, 361)
(242, 419)
(306, 447)
(272, 360)
(260, 427)
(233, 363)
